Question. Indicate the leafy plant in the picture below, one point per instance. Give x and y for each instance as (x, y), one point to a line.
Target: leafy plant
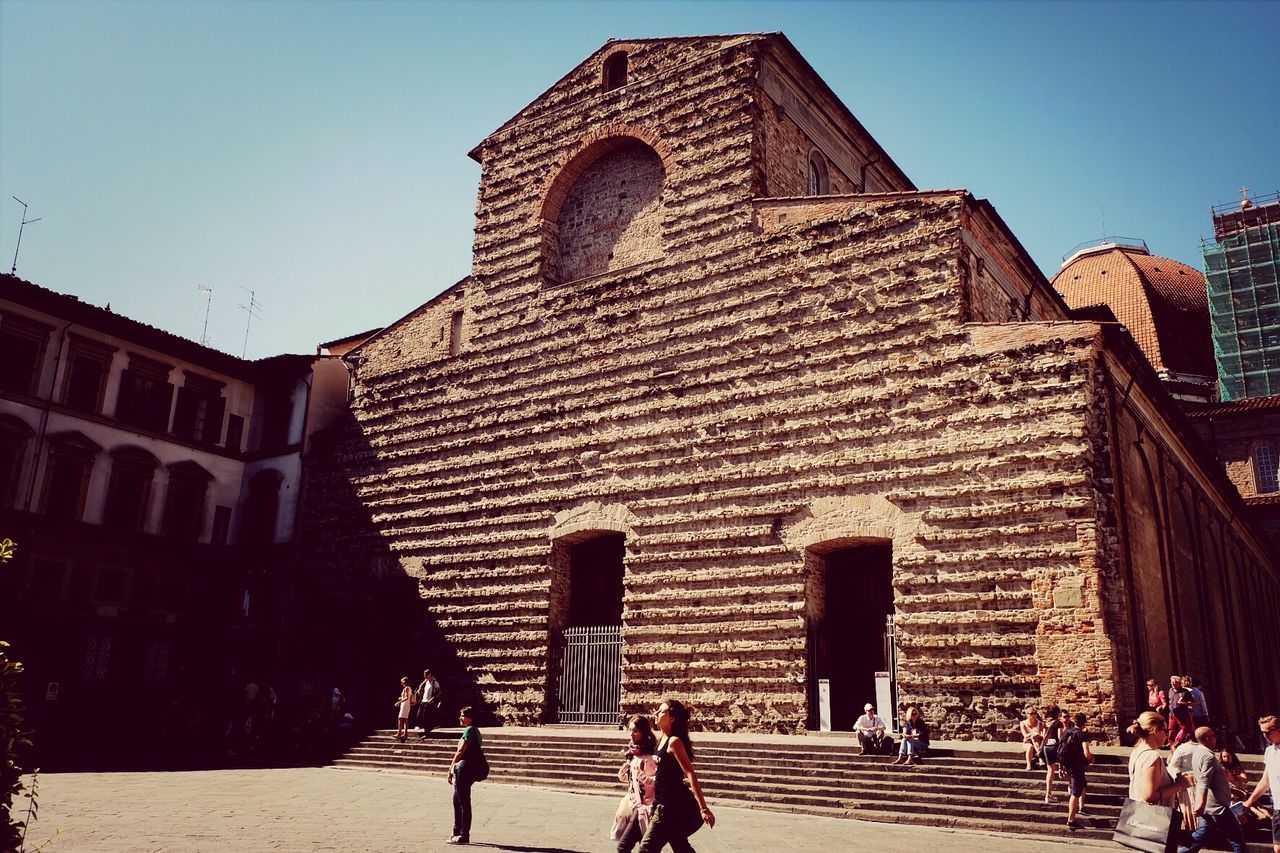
(15, 738)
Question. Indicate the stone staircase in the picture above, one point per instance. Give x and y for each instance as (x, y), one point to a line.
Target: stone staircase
(979, 787)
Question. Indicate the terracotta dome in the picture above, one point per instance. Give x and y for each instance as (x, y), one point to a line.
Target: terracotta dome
(1160, 301)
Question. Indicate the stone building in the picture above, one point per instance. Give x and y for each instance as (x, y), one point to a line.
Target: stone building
(725, 385)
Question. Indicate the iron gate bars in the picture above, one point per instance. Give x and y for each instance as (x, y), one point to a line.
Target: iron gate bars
(590, 690)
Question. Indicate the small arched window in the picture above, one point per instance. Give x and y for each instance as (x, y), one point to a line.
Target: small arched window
(1265, 463)
(615, 71)
(819, 180)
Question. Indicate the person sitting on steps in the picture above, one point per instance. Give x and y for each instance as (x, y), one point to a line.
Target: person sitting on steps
(915, 738)
(870, 729)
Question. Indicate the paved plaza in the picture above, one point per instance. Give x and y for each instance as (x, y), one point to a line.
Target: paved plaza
(322, 809)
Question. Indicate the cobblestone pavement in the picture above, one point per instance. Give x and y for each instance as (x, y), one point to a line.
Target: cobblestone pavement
(322, 809)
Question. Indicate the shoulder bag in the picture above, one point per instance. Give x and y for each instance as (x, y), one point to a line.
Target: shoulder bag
(1143, 826)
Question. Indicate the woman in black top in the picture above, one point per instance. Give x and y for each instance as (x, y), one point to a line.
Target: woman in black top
(678, 810)
(1052, 733)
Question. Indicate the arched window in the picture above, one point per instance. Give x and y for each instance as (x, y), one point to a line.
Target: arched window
(615, 71)
(819, 179)
(1264, 467)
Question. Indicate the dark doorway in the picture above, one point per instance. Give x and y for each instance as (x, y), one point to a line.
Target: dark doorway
(584, 664)
(849, 594)
(595, 580)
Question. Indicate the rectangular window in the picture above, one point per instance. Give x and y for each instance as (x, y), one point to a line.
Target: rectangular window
(65, 486)
(88, 362)
(127, 495)
(198, 413)
(275, 418)
(221, 525)
(184, 508)
(22, 346)
(455, 333)
(235, 432)
(145, 394)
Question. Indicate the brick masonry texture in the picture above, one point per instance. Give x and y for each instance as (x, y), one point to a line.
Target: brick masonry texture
(747, 383)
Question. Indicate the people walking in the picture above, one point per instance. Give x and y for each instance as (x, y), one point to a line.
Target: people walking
(403, 704)
(1149, 781)
(1075, 754)
(915, 738)
(639, 772)
(1156, 699)
(870, 729)
(1199, 707)
(429, 695)
(679, 810)
(1052, 731)
(1032, 731)
(467, 767)
(1212, 801)
(1180, 703)
(1270, 780)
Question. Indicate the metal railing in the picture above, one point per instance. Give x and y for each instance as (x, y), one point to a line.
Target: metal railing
(590, 689)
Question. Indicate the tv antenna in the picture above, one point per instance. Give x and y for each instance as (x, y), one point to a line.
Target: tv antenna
(25, 222)
(208, 300)
(251, 310)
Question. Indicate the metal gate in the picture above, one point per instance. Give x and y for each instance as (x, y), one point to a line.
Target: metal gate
(590, 689)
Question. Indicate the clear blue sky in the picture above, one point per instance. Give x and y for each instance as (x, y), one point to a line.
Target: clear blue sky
(316, 151)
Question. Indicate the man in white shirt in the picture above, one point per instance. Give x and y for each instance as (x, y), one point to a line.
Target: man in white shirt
(1270, 780)
(428, 695)
(870, 730)
(1212, 800)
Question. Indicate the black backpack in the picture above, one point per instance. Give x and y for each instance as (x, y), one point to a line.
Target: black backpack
(1071, 747)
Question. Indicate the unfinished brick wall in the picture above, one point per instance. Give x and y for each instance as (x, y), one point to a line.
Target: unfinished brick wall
(785, 377)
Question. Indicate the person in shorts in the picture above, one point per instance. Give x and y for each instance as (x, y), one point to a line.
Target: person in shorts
(1075, 755)
(1270, 780)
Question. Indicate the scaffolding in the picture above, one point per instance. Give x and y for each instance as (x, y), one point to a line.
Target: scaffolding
(1242, 273)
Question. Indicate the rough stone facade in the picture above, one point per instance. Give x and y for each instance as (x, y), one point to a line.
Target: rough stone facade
(759, 394)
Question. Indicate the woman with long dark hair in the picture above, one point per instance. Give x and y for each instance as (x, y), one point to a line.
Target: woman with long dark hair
(679, 809)
(639, 773)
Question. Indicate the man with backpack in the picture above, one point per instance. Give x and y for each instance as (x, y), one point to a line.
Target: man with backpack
(1075, 755)
(428, 696)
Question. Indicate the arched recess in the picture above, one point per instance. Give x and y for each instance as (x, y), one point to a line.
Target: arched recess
(602, 209)
(584, 613)
(849, 544)
(1150, 616)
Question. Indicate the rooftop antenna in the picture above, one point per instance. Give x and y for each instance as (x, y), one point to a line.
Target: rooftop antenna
(208, 300)
(251, 310)
(1102, 208)
(25, 222)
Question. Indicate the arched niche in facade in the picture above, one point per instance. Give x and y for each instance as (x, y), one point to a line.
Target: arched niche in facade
(603, 209)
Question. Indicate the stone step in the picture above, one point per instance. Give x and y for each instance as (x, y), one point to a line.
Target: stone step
(984, 788)
(1096, 826)
(882, 772)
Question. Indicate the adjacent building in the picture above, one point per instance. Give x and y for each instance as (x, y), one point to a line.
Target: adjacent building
(152, 486)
